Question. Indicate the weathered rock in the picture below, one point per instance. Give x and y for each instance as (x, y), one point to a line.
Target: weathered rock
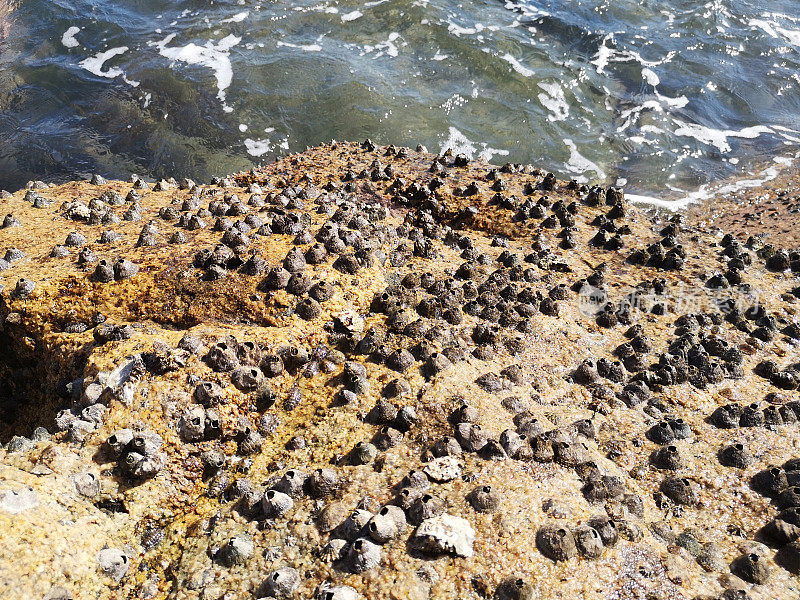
(445, 534)
(240, 384)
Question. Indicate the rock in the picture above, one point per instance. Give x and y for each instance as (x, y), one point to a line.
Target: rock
(17, 501)
(353, 330)
(237, 551)
(326, 591)
(113, 562)
(443, 469)
(349, 321)
(58, 592)
(445, 534)
(331, 517)
(87, 484)
(282, 582)
(556, 542)
(362, 555)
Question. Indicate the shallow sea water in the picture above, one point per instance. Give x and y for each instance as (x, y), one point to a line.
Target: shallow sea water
(659, 96)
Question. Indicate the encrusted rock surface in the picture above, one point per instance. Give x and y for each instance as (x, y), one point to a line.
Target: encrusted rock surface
(238, 390)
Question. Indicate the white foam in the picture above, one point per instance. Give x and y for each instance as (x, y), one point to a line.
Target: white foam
(606, 55)
(603, 55)
(458, 30)
(94, 64)
(632, 114)
(517, 66)
(650, 77)
(303, 47)
(705, 192)
(773, 29)
(453, 102)
(578, 163)
(439, 56)
(784, 132)
(458, 143)
(718, 137)
(526, 9)
(352, 16)
(388, 48)
(258, 147)
(214, 56)
(554, 101)
(678, 102)
(488, 153)
(242, 127)
(323, 8)
(68, 39)
(641, 140)
(237, 18)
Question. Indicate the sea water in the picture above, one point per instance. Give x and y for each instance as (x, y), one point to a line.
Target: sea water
(661, 97)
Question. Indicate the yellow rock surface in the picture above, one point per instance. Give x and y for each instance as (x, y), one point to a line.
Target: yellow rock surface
(171, 526)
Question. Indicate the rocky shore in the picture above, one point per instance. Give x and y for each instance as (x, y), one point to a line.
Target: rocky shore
(373, 372)
(768, 210)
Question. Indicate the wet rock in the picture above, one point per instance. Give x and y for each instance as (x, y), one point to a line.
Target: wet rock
(58, 592)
